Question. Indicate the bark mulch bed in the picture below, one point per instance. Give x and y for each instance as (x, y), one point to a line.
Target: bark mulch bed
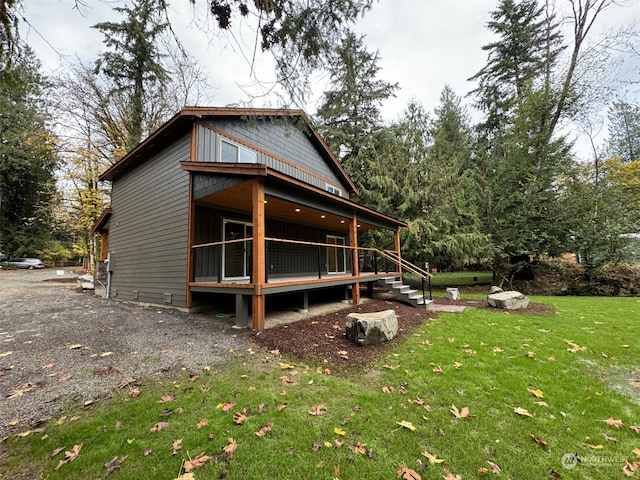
(321, 339)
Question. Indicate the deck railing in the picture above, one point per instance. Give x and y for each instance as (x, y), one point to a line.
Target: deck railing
(287, 258)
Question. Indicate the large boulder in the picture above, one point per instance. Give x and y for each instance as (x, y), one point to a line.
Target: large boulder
(452, 294)
(372, 328)
(509, 300)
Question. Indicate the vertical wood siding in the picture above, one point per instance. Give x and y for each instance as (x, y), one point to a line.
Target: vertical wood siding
(149, 228)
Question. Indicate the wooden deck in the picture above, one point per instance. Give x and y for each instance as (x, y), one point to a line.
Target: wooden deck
(289, 284)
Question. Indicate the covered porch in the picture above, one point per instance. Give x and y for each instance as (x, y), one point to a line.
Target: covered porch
(256, 232)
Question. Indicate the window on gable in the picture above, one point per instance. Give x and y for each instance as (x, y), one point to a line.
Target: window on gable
(232, 153)
(334, 190)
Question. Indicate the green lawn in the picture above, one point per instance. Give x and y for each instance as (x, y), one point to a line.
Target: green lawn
(458, 279)
(529, 390)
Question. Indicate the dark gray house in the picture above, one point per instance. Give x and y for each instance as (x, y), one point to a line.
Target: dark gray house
(240, 202)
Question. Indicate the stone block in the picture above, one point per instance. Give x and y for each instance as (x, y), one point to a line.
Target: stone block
(509, 300)
(372, 328)
(495, 289)
(452, 294)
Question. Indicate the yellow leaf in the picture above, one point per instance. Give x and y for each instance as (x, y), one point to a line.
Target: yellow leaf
(432, 458)
(522, 411)
(106, 354)
(636, 451)
(595, 447)
(407, 425)
(286, 366)
(339, 431)
(457, 364)
(536, 393)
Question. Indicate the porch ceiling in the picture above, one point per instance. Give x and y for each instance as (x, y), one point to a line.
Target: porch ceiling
(238, 198)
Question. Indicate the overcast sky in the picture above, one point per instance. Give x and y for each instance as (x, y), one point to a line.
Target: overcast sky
(423, 45)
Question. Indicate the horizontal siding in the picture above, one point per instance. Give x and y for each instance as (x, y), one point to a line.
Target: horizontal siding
(280, 140)
(149, 232)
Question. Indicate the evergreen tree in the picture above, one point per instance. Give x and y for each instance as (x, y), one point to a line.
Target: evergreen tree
(133, 61)
(350, 110)
(27, 158)
(624, 130)
(452, 199)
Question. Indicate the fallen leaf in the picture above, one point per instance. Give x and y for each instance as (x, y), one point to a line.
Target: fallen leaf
(522, 411)
(176, 446)
(457, 365)
(636, 451)
(451, 476)
(286, 366)
(186, 476)
(407, 425)
(114, 463)
(197, 462)
(437, 369)
(494, 468)
(613, 423)
(339, 431)
(230, 448)
(629, 468)
(159, 426)
(536, 393)
(69, 456)
(433, 459)
(263, 431)
(408, 474)
(388, 389)
(240, 417)
(203, 423)
(226, 406)
(539, 441)
(285, 379)
(318, 410)
(635, 428)
(167, 397)
(358, 448)
(463, 413)
(609, 438)
(542, 404)
(595, 447)
(106, 354)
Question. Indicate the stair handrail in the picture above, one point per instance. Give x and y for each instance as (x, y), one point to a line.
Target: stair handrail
(410, 267)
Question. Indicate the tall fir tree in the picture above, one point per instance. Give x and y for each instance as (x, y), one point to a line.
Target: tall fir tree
(350, 110)
(132, 59)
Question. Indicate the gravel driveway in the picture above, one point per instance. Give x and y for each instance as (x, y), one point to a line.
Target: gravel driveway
(57, 344)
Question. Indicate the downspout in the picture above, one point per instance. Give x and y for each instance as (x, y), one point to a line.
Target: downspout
(109, 270)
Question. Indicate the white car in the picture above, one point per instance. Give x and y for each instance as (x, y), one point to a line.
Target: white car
(29, 263)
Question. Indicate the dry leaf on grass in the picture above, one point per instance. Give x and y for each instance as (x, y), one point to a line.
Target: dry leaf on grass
(407, 474)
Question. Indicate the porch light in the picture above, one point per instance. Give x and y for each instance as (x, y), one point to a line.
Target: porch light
(323, 216)
(297, 209)
(341, 221)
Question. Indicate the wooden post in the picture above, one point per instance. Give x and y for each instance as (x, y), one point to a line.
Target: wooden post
(258, 270)
(190, 241)
(396, 239)
(353, 242)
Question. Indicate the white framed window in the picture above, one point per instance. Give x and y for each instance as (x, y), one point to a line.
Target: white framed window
(233, 153)
(334, 190)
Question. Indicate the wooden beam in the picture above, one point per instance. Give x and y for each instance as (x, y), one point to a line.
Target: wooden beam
(258, 253)
(396, 241)
(353, 242)
(190, 241)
